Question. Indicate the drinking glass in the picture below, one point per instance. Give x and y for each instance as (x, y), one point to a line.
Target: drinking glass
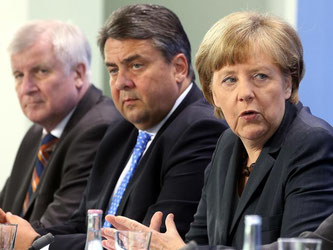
(299, 244)
(7, 236)
(132, 240)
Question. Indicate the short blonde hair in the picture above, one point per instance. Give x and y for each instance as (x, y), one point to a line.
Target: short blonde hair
(232, 39)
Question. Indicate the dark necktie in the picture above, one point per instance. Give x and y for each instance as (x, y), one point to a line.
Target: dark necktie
(141, 144)
(45, 150)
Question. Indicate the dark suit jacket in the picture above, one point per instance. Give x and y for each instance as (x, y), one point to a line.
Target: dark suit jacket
(65, 177)
(290, 185)
(168, 178)
(323, 232)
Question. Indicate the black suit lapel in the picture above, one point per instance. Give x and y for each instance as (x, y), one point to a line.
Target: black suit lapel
(137, 173)
(265, 162)
(114, 164)
(91, 97)
(193, 95)
(228, 202)
(30, 162)
(87, 102)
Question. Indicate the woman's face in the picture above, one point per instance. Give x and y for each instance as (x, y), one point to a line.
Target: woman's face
(252, 97)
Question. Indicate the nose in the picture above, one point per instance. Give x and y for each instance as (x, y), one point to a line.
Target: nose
(123, 80)
(245, 90)
(27, 85)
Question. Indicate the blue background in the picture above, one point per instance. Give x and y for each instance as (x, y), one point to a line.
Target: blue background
(315, 27)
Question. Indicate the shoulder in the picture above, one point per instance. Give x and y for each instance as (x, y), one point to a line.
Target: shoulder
(308, 130)
(226, 146)
(94, 107)
(226, 142)
(308, 142)
(94, 116)
(104, 110)
(195, 113)
(33, 134)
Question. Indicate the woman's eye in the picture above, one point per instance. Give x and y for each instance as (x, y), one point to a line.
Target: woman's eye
(260, 76)
(229, 80)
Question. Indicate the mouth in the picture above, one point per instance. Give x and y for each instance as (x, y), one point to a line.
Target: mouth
(129, 100)
(249, 114)
(33, 103)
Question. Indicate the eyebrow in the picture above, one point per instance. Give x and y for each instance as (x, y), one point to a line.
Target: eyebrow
(251, 69)
(125, 61)
(14, 72)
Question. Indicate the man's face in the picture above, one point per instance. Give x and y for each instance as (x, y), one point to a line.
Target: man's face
(143, 85)
(46, 89)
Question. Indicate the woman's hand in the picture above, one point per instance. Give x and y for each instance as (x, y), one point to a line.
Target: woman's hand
(168, 240)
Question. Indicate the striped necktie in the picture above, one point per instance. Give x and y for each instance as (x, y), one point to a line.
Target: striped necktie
(45, 150)
(140, 146)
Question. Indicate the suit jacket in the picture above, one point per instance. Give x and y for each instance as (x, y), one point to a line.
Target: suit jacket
(65, 177)
(169, 177)
(323, 232)
(290, 185)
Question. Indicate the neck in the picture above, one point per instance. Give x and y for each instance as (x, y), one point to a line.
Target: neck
(253, 154)
(183, 85)
(82, 91)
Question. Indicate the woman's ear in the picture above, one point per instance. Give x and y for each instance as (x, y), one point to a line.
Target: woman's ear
(288, 86)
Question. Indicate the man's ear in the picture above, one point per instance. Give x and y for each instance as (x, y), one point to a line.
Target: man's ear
(80, 75)
(181, 67)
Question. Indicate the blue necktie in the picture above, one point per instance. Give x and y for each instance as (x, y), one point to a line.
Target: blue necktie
(141, 143)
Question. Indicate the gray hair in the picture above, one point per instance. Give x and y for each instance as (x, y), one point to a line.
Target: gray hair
(69, 43)
(148, 21)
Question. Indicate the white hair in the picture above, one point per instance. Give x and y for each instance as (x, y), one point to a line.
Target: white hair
(69, 43)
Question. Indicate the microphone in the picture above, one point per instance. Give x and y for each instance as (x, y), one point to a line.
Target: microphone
(42, 241)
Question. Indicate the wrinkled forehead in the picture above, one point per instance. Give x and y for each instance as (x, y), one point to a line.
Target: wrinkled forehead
(37, 55)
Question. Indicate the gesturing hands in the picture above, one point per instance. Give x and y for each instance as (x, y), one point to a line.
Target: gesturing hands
(168, 240)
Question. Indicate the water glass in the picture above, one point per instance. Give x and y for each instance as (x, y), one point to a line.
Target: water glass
(132, 240)
(7, 236)
(299, 244)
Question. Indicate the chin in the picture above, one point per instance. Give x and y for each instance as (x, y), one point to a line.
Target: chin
(254, 134)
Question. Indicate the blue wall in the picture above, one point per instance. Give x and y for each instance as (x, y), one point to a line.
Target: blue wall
(315, 27)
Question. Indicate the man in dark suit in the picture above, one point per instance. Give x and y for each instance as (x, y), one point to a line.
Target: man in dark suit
(276, 160)
(148, 57)
(51, 66)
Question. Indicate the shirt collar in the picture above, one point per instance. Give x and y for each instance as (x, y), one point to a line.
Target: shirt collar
(153, 131)
(57, 131)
